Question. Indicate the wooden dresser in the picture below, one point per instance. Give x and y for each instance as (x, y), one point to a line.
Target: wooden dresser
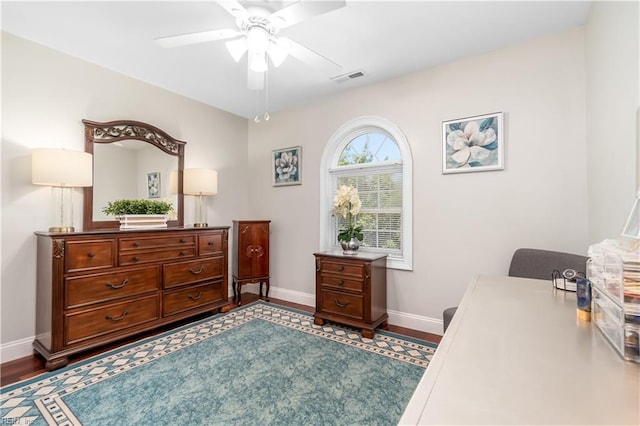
(250, 255)
(351, 290)
(97, 287)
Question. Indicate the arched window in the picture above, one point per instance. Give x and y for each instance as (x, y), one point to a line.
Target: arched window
(373, 155)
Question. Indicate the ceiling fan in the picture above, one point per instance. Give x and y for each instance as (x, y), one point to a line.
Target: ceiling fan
(256, 34)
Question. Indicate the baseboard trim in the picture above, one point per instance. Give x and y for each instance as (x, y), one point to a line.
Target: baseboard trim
(401, 319)
(16, 349)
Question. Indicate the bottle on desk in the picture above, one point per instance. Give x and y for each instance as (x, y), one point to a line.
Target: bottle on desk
(583, 295)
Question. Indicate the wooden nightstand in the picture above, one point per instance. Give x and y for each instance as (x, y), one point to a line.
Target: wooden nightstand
(351, 290)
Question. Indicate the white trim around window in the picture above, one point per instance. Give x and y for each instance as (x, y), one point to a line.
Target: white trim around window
(338, 141)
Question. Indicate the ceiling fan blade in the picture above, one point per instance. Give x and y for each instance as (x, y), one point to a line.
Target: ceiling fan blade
(199, 37)
(311, 57)
(303, 10)
(234, 8)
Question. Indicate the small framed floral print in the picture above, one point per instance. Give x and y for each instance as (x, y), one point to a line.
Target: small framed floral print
(153, 185)
(473, 144)
(286, 166)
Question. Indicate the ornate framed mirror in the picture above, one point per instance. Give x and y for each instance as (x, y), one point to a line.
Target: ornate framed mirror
(131, 160)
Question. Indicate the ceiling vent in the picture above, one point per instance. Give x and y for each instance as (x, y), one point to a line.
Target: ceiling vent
(348, 76)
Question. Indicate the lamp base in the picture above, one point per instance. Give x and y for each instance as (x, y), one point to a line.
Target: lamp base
(62, 229)
(200, 225)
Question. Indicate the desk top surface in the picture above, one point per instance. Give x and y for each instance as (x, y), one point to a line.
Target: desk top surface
(515, 353)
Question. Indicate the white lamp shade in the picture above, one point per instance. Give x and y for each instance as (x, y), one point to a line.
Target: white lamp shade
(200, 182)
(61, 167)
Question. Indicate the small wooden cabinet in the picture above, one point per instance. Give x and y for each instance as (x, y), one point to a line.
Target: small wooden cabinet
(351, 290)
(250, 255)
(98, 287)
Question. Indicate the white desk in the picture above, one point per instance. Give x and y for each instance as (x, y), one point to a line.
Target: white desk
(516, 354)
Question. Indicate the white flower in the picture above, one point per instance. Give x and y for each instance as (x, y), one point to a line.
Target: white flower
(468, 145)
(347, 201)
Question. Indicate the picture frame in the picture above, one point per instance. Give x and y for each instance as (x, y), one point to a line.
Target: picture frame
(286, 166)
(153, 185)
(473, 144)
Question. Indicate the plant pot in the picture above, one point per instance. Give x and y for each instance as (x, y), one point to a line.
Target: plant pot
(350, 247)
(143, 221)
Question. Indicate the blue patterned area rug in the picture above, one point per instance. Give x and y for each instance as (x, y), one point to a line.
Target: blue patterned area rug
(257, 365)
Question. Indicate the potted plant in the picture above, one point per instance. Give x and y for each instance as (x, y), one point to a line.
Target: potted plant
(347, 204)
(139, 213)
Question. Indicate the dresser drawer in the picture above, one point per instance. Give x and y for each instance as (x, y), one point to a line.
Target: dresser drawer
(344, 304)
(137, 257)
(87, 255)
(210, 244)
(98, 288)
(352, 270)
(338, 282)
(146, 243)
(89, 324)
(182, 300)
(176, 274)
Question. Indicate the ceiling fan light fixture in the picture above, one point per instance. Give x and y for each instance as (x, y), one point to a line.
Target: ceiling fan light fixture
(237, 48)
(258, 61)
(257, 39)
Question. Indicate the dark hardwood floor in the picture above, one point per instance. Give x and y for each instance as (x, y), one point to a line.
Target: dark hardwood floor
(30, 366)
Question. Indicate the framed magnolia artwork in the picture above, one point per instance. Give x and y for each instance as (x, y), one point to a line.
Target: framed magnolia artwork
(473, 144)
(153, 185)
(286, 166)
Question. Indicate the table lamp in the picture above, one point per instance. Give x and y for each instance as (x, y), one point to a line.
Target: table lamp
(200, 182)
(61, 169)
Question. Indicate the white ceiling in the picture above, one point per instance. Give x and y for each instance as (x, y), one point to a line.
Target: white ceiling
(384, 39)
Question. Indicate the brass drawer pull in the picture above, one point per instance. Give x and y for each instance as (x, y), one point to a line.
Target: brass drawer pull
(340, 282)
(182, 240)
(115, 287)
(136, 244)
(181, 253)
(210, 243)
(121, 317)
(342, 305)
(194, 297)
(91, 254)
(199, 271)
(340, 268)
(135, 258)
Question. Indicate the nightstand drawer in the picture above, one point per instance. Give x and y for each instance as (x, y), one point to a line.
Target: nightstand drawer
(192, 297)
(97, 322)
(339, 283)
(99, 288)
(89, 254)
(344, 304)
(178, 274)
(352, 270)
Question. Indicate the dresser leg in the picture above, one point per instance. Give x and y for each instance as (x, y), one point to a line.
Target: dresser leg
(318, 321)
(55, 363)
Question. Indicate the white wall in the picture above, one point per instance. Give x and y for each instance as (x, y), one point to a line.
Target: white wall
(464, 224)
(612, 38)
(45, 95)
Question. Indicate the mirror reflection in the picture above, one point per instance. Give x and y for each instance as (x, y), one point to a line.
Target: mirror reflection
(132, 169)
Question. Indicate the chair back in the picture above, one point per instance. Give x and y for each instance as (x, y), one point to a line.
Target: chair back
(540, 264)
